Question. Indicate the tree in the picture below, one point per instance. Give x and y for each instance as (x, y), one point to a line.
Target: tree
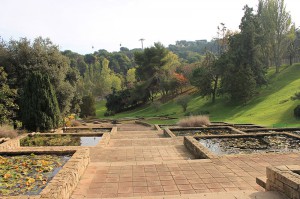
(130, 78)
(242, 68)
(276, 25)
(39, 106)
(88, 107)
(206, 77)
(7, 99)
(150, 68)
(41, 55)
(183, 101)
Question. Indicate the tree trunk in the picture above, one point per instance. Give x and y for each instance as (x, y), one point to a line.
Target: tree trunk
(215, 89)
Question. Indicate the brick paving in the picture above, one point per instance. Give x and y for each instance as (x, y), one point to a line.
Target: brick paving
(163, 168)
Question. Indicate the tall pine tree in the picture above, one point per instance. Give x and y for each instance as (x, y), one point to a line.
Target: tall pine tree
(40, 111)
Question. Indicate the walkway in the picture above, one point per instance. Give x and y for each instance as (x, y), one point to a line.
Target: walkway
(145, 164)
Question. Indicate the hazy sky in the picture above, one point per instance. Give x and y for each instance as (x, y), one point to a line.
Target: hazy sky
(105, 24)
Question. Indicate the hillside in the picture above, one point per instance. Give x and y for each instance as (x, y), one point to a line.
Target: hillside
(272, 104)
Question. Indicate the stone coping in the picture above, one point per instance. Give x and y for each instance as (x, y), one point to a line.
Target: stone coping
(65, 181)
(271, 129)
(12, 143)
(168, 131)
(284, 179)
(157, 127)
(197, 149)
(201, 152)
(15, 143)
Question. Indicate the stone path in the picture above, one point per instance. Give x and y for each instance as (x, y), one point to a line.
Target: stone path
(145, 164)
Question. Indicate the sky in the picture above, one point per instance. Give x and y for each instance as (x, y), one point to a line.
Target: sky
(85, 26)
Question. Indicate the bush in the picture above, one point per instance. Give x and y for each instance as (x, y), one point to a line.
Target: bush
(156, 105)
(7, 131)
(75, 123)
(296, 96)
(297, 112)
(183, 101)
(109, 113)
(88, 107)
(194, 121)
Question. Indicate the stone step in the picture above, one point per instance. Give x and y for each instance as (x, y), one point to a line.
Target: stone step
(223, 195)
(144, 142)
(261, 181)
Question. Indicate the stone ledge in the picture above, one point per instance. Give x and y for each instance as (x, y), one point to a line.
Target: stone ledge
(284, 179)
(169, 133)
(12, 143)
(197, 149)
(65, 181)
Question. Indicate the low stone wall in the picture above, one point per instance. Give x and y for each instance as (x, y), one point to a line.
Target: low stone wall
(195, 148)
(284, 179)
(66, 180)
(104, 140)
(12, 143)
(168, 133)
(236, 130)
(157, 127)
(144, 123)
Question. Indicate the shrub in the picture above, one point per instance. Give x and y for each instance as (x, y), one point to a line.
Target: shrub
(296, 96)
(183, 101)
(75, 123)
(88, 107)
(7, 131)
(297, 112)
(109, 113)
(156, 105)
(194, 121)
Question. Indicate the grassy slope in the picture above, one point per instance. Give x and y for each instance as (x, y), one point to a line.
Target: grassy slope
(272, 105)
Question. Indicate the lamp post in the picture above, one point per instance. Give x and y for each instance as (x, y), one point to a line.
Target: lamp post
(142, 40)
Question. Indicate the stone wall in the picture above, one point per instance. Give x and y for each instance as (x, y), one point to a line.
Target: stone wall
(12, 143)
(168, 133)
(284, 179)
(104, 140)
(195, 148)
(66, 180)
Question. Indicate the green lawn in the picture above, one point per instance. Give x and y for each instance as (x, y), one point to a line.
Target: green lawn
(271, 105)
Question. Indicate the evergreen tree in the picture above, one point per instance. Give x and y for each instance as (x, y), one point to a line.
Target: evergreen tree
(7, 98)
(243, 71)
(88, 107)
(40, 111)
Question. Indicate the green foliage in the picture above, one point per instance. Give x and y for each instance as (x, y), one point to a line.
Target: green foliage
(39, 105)
(24, 57)
(203, 77)
(296, 96)
(123, 100)
(263, 109)
(183, 101)
(151, 64)
(297, 112)
(88, 107)
(7, 99)
(276, 29)
(156, 105)
(243, 71)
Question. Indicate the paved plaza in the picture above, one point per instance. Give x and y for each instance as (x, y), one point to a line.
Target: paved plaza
(140, 162)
